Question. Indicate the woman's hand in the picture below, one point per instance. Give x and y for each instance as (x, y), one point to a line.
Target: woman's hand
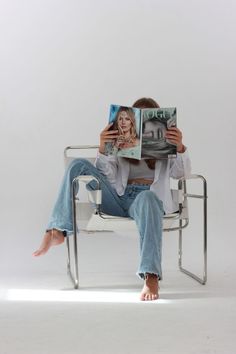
(107, 136)
(174, 135)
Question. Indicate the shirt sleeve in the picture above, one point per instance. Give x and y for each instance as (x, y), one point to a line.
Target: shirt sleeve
(108, 166)
(181, 165)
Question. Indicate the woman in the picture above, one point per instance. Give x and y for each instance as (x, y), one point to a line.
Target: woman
(138, 189)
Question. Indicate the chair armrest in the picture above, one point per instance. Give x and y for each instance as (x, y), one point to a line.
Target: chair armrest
(78, 147)
(94, 196)
(192, 176)
(182, 186)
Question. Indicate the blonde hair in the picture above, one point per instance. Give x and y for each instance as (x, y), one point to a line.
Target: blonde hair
(131, 115)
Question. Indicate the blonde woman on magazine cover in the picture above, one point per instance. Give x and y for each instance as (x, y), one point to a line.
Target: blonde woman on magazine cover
(126, 126)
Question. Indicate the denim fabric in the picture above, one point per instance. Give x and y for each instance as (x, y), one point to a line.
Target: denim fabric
(147, 211)
(138, 202)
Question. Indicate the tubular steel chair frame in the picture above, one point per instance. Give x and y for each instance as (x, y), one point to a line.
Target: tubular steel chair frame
(183, 219)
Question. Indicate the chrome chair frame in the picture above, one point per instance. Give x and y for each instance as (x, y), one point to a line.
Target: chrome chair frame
(183, 220)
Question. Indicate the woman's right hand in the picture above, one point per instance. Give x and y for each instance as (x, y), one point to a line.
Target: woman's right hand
(107, 136)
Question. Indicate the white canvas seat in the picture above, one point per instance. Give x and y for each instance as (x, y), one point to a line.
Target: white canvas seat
(87, 214)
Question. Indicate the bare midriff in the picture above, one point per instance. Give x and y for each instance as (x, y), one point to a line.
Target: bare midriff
(140, 181)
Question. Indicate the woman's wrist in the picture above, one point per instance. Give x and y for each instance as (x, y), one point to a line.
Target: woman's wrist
(181, 149)
(101, 148)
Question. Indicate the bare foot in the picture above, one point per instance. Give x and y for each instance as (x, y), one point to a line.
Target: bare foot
(51, 238)
(150, 288)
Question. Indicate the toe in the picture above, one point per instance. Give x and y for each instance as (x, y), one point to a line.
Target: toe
(36, 253)
(142, 297)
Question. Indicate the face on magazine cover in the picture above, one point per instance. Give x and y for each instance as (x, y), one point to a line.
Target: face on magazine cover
(125, 124)
(154, 142)
(154, 130)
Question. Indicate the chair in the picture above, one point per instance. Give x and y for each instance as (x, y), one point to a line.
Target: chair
(97, 221)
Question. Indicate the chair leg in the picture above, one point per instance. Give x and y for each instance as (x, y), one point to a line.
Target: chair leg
(69, 271)
(192, 275)
(74, 276)
(76, 266)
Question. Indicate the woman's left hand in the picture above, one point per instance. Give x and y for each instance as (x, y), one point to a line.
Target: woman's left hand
(174, 135)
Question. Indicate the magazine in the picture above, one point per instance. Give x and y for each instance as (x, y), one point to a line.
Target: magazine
(141, 132)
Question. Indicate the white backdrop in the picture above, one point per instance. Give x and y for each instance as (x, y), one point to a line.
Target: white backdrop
(63, 62)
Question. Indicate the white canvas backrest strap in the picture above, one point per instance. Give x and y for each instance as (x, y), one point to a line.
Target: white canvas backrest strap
(95, 196)
(86, 178)
(178, 195)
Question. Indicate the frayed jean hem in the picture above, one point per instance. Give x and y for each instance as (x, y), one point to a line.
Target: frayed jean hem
(63, 230)
(141, 275)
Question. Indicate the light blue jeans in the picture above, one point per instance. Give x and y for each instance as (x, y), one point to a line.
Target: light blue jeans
(138, 202)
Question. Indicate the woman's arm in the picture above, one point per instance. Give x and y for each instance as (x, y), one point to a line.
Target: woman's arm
(107, 136)
(181, 165)
(175, 136)
(107, 165)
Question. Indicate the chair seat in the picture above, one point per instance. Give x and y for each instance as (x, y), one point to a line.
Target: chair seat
(105, 222)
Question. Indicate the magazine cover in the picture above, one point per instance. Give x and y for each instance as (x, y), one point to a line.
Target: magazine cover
(155, 122)
(127, 120)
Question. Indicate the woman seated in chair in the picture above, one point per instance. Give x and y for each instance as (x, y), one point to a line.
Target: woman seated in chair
(130, 188)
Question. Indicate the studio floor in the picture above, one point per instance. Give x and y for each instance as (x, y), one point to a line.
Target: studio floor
(40, 313)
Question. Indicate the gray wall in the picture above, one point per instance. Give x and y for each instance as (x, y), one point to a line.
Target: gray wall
(63, 62)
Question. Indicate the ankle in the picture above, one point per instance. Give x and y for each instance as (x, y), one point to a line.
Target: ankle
(151, 276)
(56, 232)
